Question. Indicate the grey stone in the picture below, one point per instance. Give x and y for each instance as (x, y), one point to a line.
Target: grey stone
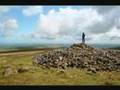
(81, 56)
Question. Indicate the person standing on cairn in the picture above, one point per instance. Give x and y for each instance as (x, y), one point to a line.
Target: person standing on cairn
(83, 37)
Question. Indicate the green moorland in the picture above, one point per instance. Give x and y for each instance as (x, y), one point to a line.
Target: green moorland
(37, 75)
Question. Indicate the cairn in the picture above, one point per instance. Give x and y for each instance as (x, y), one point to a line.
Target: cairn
(81, 56)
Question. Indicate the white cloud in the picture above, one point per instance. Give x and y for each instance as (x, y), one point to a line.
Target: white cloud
(6, 27)
(113, 32)
(32, 10)
(100, 24)
(10, 24)
(66, 22)
(110, 37)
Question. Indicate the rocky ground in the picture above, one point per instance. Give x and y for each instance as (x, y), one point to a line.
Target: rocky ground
(81, 56)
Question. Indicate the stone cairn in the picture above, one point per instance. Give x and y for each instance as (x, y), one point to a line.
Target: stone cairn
(81, 56)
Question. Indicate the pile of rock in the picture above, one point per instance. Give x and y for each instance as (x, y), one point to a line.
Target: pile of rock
(81, 56)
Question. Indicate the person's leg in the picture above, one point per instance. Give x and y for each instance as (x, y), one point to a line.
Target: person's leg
(83, 40)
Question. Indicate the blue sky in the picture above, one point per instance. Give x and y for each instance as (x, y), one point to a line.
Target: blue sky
(59, 24)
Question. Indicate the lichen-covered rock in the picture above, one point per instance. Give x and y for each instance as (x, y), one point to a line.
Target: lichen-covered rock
(81, 56)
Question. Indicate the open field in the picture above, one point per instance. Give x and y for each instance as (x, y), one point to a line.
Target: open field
(24, 52)
(36, 75)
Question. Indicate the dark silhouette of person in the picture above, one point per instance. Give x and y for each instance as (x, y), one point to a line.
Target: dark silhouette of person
(83, 37)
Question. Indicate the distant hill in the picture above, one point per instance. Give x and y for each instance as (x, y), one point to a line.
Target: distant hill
(12, 47)
(30, 47)
(115, 48)
(105, 45)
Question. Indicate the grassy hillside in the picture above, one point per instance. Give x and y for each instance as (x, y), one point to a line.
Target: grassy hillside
(37, 75)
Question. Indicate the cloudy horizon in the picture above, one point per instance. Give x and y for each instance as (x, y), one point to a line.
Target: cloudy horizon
(59, 24)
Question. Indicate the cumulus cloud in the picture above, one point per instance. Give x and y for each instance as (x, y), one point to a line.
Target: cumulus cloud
(113, 34)
(10, 24)
(68, 23)
(31, 10)
(111, 15)
(110, 37)
(6, 27)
